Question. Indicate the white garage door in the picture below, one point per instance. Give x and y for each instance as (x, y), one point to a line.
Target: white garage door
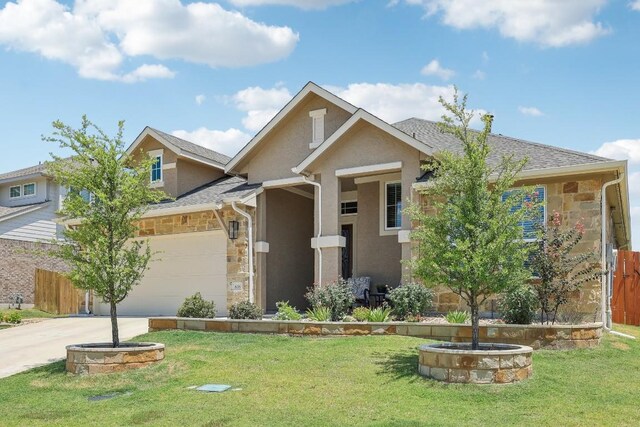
(186, 263)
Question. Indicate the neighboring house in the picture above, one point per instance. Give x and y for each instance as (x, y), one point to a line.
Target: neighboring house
(29, 200)
(317, 194)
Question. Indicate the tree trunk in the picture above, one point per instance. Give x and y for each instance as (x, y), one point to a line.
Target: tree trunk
(475, 326)
(114, 325)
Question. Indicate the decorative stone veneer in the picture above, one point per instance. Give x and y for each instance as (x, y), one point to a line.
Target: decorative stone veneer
(557, 337)
(101, 358)
(18, 263)
(575, 200)
(237, 250)
(498, 363)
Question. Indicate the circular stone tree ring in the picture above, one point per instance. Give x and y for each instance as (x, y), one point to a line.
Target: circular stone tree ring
(98, 358)
(490, 364)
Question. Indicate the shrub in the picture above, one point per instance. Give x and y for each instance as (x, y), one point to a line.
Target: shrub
(319, 314)
(245, 310)
(379, 314)
(519, 305)
(196, 306)
(337, 297)
(12, 317)
(457, 317)
(410, 301)
(286, 312)
(361, 313)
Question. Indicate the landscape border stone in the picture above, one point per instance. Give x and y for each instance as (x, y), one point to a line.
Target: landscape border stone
(100, 358)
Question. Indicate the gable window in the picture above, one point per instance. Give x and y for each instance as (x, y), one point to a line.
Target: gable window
(317, 127)
(29, 189)
(156, 169)
(393, 205)
(530, 226)
(349, 208)
(15, 191)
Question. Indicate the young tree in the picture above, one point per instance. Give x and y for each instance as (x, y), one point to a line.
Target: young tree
(470, 238)
(108, 194)
(560, 272)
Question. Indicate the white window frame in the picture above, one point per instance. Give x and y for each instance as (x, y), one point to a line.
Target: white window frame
(19, 187)
(317, 123)
(35, 189)
(348, 201)
(384, 230)
(155, 154)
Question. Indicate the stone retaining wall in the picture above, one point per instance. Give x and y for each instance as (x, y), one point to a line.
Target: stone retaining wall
(106, 359)
(558, 337)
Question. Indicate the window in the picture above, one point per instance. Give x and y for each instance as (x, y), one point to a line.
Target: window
(156, 169)
(15, 191)
(529, 226)
(349, 208)
(393, 205)
(29, 189)
(317, 127)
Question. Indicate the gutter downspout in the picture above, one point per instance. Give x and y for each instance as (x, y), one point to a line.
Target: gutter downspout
(250, 238)
(319, 186)
(606, 299)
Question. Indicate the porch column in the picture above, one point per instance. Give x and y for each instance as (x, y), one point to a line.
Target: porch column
(331, 240)
(409, 173)
(261, 250)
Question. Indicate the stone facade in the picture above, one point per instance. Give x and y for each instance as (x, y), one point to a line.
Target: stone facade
(18, 263)
(576, 200)
(554, 337)
(501, 364)
(237, 250)
(104, 359)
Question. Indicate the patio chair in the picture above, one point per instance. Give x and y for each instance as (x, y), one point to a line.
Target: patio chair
(360, 288)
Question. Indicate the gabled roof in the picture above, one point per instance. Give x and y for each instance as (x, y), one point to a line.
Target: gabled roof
(310, 87)
(362, 115)
(31, 171)
(182, 148)
(540, 156)
(213, 193)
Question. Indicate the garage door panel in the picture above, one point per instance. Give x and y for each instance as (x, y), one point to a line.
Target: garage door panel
(186, 264)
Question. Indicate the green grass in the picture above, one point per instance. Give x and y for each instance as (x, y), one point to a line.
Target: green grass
(31, 313)
(326, 382)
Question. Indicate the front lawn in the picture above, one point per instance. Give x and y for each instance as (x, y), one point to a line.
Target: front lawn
(326, 381)
(31, 313)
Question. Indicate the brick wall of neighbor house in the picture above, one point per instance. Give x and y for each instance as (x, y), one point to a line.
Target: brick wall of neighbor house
(575, 200)
(237, 250)
(18, 263)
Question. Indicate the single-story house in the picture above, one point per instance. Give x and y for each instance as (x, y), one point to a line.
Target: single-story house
(317, 194)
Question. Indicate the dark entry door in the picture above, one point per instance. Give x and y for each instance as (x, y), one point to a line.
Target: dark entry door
(347, 251)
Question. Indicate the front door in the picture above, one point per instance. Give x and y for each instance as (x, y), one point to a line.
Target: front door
(347, 251)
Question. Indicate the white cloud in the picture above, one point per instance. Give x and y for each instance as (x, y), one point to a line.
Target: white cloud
(479, 75)
(200, 99)
(228, 142)
(434, 68)
(96, 36)
(530, 111)
(302, 4)
(635, 5)
(546, 22)
(621, 149)
(260, 105)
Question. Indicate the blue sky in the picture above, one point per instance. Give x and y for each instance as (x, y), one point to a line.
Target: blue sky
(562, 73)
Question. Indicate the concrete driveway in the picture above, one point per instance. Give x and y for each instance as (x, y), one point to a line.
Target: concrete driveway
(25, 347)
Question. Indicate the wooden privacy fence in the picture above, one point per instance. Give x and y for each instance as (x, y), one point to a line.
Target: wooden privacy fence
(54, 293)
(625, 302)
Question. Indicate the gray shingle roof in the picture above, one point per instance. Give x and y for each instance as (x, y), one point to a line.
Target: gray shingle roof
(227, 187)
(31, 170)
(192, 148)
(539, 156)
(6, 211)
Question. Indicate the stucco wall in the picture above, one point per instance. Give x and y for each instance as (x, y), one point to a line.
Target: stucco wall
(169, 176)
(376, 256)
(192, 175)
(289, 262)
(288, 143)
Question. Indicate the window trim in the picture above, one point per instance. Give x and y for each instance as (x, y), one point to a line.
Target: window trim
(155, 154)
(348, 201)
(317, 117)
(35, 189)
(384, 230)
(544, 208)
(19, 187)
